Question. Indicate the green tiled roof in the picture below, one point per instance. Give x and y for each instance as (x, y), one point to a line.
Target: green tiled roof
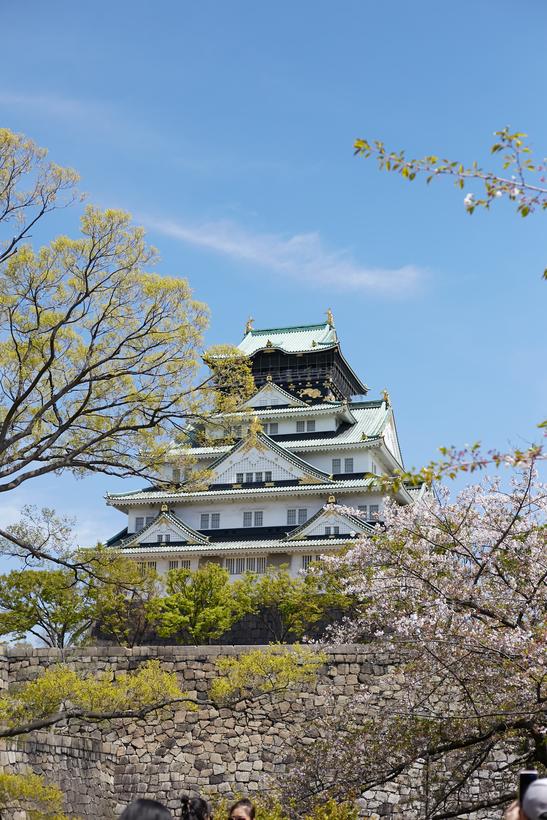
(299, 339)
(370, 416)
(156, 496)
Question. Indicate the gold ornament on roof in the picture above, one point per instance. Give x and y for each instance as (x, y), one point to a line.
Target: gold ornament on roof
(269, 343)
(164, 508)
(385, 396)
(332, 499)
(269, 377)
(252, 442)
(330, 318)
(312, 392)
(249, 325)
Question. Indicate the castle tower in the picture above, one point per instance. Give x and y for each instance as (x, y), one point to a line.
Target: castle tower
(273, 494)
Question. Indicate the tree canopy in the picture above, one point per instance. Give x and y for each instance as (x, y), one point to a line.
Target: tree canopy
(98, 354)
(200, 605)
(457, 591)
(48, 604)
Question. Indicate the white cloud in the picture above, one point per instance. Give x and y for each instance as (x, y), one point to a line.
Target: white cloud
(53, 104)
(299, 257)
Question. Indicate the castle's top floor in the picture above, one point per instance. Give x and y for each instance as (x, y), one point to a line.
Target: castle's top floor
(305, 360)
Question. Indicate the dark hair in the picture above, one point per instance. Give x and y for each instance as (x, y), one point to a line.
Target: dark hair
(146, 810)
(244, 804)
(195, 808)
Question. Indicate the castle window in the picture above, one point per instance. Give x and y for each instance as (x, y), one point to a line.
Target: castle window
(261, 564)
(363, 510)
(336, 466)
(332, 530)
(239, 478)
(144, 566)
(310, 426)
(235, 566)
(299, 516)
(258, 478)
(247, 519)
(185, 563)
(258, 518)
(306, 561)
(139, 522)
(374, 512)
(209, 521)
(300, 426)
(373, 468)
(149, 519)
(348, 465)
(272, 428)
(251, 564)
(248, 478)
(267, 475)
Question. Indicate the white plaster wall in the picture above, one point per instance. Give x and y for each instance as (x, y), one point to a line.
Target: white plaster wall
(362, 459)
(275, 511)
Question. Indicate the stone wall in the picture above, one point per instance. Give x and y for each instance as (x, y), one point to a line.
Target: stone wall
(82, 767)
(214, 751)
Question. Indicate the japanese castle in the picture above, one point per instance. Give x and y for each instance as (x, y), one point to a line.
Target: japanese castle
(305, 445)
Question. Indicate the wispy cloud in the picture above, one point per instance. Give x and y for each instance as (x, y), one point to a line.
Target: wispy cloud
(53, 104)
(300, 257)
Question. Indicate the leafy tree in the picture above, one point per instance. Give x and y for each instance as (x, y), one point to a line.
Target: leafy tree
(48, 604)
(288, 607)
(199, 606)
(458, 591)
(60, 694)
(29, 793)
(98, 355)
(258, 671)
(525, 191)
(121, 595)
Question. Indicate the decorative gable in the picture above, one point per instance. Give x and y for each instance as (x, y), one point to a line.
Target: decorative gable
(270, 395)
(164, 529)
(330, 521)
(258, 459)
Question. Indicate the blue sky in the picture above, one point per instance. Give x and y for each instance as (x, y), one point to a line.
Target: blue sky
(227, 129)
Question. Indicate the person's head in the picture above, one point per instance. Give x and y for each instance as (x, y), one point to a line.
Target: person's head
(534, 802)
(146, 810)
(195, 808)
(242, 810)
